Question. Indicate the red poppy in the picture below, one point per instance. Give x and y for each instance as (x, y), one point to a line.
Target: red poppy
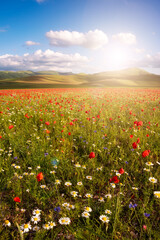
(140, 123)
(138, 140)
(47, 123)
(11, 126)
(69, 133)
(92, 155)
(39, 176)
(145, 153)
(17, 199)
(114, 179)
(134, 145)
(131, 136)
(121, 170)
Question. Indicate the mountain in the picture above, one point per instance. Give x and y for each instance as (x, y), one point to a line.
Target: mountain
(22, 74)
(131, 77)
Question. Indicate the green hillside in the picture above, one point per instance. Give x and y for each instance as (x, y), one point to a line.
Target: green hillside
(133, 77)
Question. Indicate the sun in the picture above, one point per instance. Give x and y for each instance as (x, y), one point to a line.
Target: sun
(117, 57)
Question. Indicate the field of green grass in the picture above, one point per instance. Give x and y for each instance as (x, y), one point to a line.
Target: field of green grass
(79, 163)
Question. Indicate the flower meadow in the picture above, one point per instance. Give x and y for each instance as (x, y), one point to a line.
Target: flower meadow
(80, 163)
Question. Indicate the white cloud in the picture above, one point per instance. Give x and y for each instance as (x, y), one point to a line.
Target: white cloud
(92, 39)
(139, 50)
(125, 38)
(152, 61)
(47, 60)
(31, 43)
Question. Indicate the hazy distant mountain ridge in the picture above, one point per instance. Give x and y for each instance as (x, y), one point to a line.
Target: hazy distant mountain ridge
(131, 77)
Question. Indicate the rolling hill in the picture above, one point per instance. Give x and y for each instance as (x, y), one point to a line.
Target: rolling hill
(132, 77)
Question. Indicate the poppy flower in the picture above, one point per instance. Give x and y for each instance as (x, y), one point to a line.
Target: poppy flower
(140, 123)
(131, 136)
(121, 170)
(47, 123)
(11, 126)
(114, 179)
(39, 176)
(134, 145)
(92, 155)
(69, 133)
(145, 153)
(17, 199)
(138, 140)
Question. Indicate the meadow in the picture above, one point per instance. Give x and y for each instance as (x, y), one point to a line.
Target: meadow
(80, 164)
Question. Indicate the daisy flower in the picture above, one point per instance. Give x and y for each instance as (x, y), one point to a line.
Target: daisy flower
(52, 224)
(89, 177)
(65, 204)
(74, 193)
(146, 169)
(149, 164)
(68, 184)
(36, 228)
(36, 212)
(79, 183)
(153, 180)
(43, 186)
(157, 194)
(101, 199)
(85, 214)
(64, 221)
(57, 181)
(26, 227)
(35, 219)
(104, 218)
(108, 212)
(112, 185)
(46, 226)
(7, 223)
(77, 165)
(108, 196)
(88, 209)
(88, 195)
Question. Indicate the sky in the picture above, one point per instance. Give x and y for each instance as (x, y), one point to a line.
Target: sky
(80, 36)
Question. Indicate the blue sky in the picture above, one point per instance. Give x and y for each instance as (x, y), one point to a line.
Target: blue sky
(79, 35)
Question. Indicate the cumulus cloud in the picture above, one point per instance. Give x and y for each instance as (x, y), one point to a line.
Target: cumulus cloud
(44, 60)
(125, 38)
(31, 43)
(92, 39)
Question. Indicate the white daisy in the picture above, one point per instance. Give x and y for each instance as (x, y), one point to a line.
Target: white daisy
(108, 212)
(64, 221)
(153, 180)
(26, 227)
(88, 209)
(35, 219)
(7, 223)
(85, 214)
(104, 218)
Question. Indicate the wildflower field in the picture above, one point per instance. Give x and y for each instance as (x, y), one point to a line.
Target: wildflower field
(80, 164)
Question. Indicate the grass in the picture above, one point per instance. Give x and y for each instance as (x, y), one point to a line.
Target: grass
(46, 137)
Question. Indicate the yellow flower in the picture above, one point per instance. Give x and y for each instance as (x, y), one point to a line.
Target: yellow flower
(157, 194)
